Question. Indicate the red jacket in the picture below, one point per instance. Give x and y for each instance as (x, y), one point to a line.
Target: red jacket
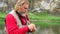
(12, 27)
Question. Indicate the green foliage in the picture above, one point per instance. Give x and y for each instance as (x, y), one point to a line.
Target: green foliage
(51, 20)
(2, 19)
(2, 15)
(43, 16)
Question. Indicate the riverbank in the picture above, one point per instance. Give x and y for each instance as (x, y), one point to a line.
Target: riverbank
(42, 19)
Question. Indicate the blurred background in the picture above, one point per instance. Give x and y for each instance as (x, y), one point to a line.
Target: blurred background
(45, 14)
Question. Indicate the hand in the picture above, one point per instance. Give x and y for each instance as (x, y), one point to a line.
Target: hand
(32, 27)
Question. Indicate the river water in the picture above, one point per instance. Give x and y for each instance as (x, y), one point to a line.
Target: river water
(40, 30)
(50, 30)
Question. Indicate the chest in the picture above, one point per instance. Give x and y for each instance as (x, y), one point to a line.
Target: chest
(23, 21)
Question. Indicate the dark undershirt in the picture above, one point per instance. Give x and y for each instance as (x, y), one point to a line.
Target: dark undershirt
(19, 15)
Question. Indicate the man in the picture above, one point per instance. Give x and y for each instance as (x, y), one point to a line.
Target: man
(17, 21)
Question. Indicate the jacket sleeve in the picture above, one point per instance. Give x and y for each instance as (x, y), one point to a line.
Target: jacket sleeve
(12, 27)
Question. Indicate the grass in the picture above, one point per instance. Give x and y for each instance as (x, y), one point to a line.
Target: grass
(2, 15)
(52, 20)
(43, 16)
(2, 19)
